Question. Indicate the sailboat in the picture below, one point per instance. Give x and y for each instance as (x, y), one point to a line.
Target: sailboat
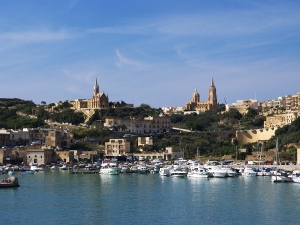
(276, 153)
(262, 170)
(278, 176)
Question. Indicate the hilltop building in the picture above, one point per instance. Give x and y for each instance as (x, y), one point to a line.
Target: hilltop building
(99, 100)
(198, 106)
(280, 119)
(146, 125)
(243, 105)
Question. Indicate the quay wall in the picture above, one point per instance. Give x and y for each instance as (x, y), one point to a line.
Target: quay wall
(282, 167)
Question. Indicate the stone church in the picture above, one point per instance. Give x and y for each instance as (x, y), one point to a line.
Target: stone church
(198, 106)
(99, 100)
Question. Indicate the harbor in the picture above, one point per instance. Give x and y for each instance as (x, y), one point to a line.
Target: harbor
(58, 196)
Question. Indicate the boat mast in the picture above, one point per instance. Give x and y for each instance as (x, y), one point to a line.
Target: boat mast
(277, 153)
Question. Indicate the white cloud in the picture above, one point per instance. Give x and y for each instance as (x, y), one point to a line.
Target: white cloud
(37, 35)
(127, 29)
(123, 61)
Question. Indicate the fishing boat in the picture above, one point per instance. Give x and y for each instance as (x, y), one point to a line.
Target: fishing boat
(9, 182)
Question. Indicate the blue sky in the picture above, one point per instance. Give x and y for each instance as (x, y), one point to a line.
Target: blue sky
(149, 51)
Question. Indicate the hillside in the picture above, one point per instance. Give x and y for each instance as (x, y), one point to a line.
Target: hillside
(213, 135)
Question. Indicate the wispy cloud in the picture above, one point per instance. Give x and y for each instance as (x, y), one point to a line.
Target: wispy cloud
(123, 61)
(37, 35)
(259, 18)
(127, 29)
(72, 3)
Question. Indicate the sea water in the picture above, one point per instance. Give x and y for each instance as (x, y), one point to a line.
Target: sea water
(60, 197)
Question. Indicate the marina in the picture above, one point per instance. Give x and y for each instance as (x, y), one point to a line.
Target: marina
(149, 198)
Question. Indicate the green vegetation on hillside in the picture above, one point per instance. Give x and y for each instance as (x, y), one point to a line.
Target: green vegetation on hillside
(213, 136)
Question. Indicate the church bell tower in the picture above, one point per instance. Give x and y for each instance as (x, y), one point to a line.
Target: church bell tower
(212, 95)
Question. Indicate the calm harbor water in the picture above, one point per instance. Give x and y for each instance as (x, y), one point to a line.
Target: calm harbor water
(59, 197)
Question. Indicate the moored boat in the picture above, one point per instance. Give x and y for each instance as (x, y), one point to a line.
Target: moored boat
(164, 171)
(110, 168)
(249, 172)
(280, 178)
(26, 171)
(64, 167)
(177, 171)
(142, 169)
(197, 171)
(54, 167)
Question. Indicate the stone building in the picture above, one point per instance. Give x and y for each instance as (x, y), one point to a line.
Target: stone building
(4, 138)
(64, 156)
(38, 154)
(243, 106)
(116, 147)
(280, 119)
(54, 138)
(99, 100)
(167, 154)
(147, 125)
(198, 106)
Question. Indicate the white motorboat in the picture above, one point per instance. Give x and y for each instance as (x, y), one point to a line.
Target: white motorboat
(125, 169)
(249, 172)
(264, 172)
(296, 179)
(142, 169)
(54, 168)
(198, 174)
(216, 171)
(36, 168)
(197, 171)
(110, 168)
(177, 171)
(164, 171)
(230, 172)
(281, 178)
(134, 169)
(64, 167)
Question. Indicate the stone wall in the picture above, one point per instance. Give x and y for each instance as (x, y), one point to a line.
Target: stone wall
(254, 135)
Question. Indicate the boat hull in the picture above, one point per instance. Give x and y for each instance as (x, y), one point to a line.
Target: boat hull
(110, 171)
(198, 175)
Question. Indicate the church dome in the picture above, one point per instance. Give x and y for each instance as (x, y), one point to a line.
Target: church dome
(196, 96)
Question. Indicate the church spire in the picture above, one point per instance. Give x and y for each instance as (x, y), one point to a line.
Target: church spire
(212, 82)
(96, 88)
